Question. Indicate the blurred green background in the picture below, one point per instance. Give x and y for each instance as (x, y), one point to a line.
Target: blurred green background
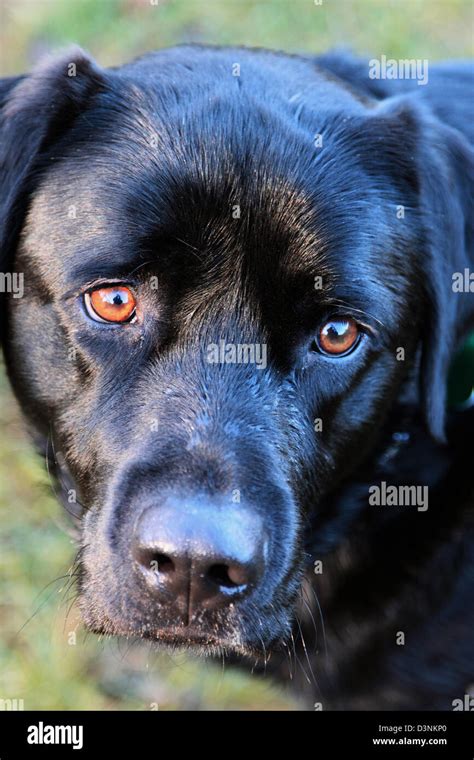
(46, 658)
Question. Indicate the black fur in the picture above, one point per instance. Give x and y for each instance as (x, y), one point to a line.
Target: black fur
(133, 173)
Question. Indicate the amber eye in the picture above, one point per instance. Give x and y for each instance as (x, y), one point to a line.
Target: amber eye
(338, 337)
(114, 304)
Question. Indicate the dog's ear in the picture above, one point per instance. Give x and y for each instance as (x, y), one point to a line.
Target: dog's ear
(35, 110)
(435, 163)
(446, 172)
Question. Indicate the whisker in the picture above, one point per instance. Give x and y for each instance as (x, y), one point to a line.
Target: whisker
(306, 654)
(312, 618)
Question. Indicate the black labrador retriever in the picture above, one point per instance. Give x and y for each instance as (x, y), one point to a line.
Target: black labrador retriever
(231, 297)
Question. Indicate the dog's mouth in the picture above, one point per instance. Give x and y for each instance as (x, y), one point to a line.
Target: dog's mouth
(197, 640)
(235, 632)
(200, 641)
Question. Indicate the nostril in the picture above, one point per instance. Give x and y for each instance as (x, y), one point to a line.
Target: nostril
(228, 576)
(159, 563)
(162, 563)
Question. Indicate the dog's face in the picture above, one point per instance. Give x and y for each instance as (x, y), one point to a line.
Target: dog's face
(227, 282)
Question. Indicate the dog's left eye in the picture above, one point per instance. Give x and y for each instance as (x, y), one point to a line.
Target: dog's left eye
(116, 305)
(338, 337)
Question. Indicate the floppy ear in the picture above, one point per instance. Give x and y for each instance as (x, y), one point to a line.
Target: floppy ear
(34, 111)
(434, 165)
(446, 173)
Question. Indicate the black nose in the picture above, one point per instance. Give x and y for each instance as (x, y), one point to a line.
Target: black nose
(195, 554)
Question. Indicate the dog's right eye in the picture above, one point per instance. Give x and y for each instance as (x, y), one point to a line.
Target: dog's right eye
(114, 305)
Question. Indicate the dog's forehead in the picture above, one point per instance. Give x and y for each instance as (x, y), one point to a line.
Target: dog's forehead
(224, 177)
(111, 208)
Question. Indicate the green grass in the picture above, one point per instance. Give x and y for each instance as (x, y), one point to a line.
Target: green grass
(39, 662)
(117, 29)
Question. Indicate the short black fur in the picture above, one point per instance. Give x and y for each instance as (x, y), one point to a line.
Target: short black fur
(173, 170)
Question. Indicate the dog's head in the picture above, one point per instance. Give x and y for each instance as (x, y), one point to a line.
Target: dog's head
(229, 275)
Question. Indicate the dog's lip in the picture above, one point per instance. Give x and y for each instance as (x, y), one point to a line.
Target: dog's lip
(188, 636)
(177, 635)
(206, 642)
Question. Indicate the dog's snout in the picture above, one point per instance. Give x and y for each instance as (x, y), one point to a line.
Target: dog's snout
(198, 555)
